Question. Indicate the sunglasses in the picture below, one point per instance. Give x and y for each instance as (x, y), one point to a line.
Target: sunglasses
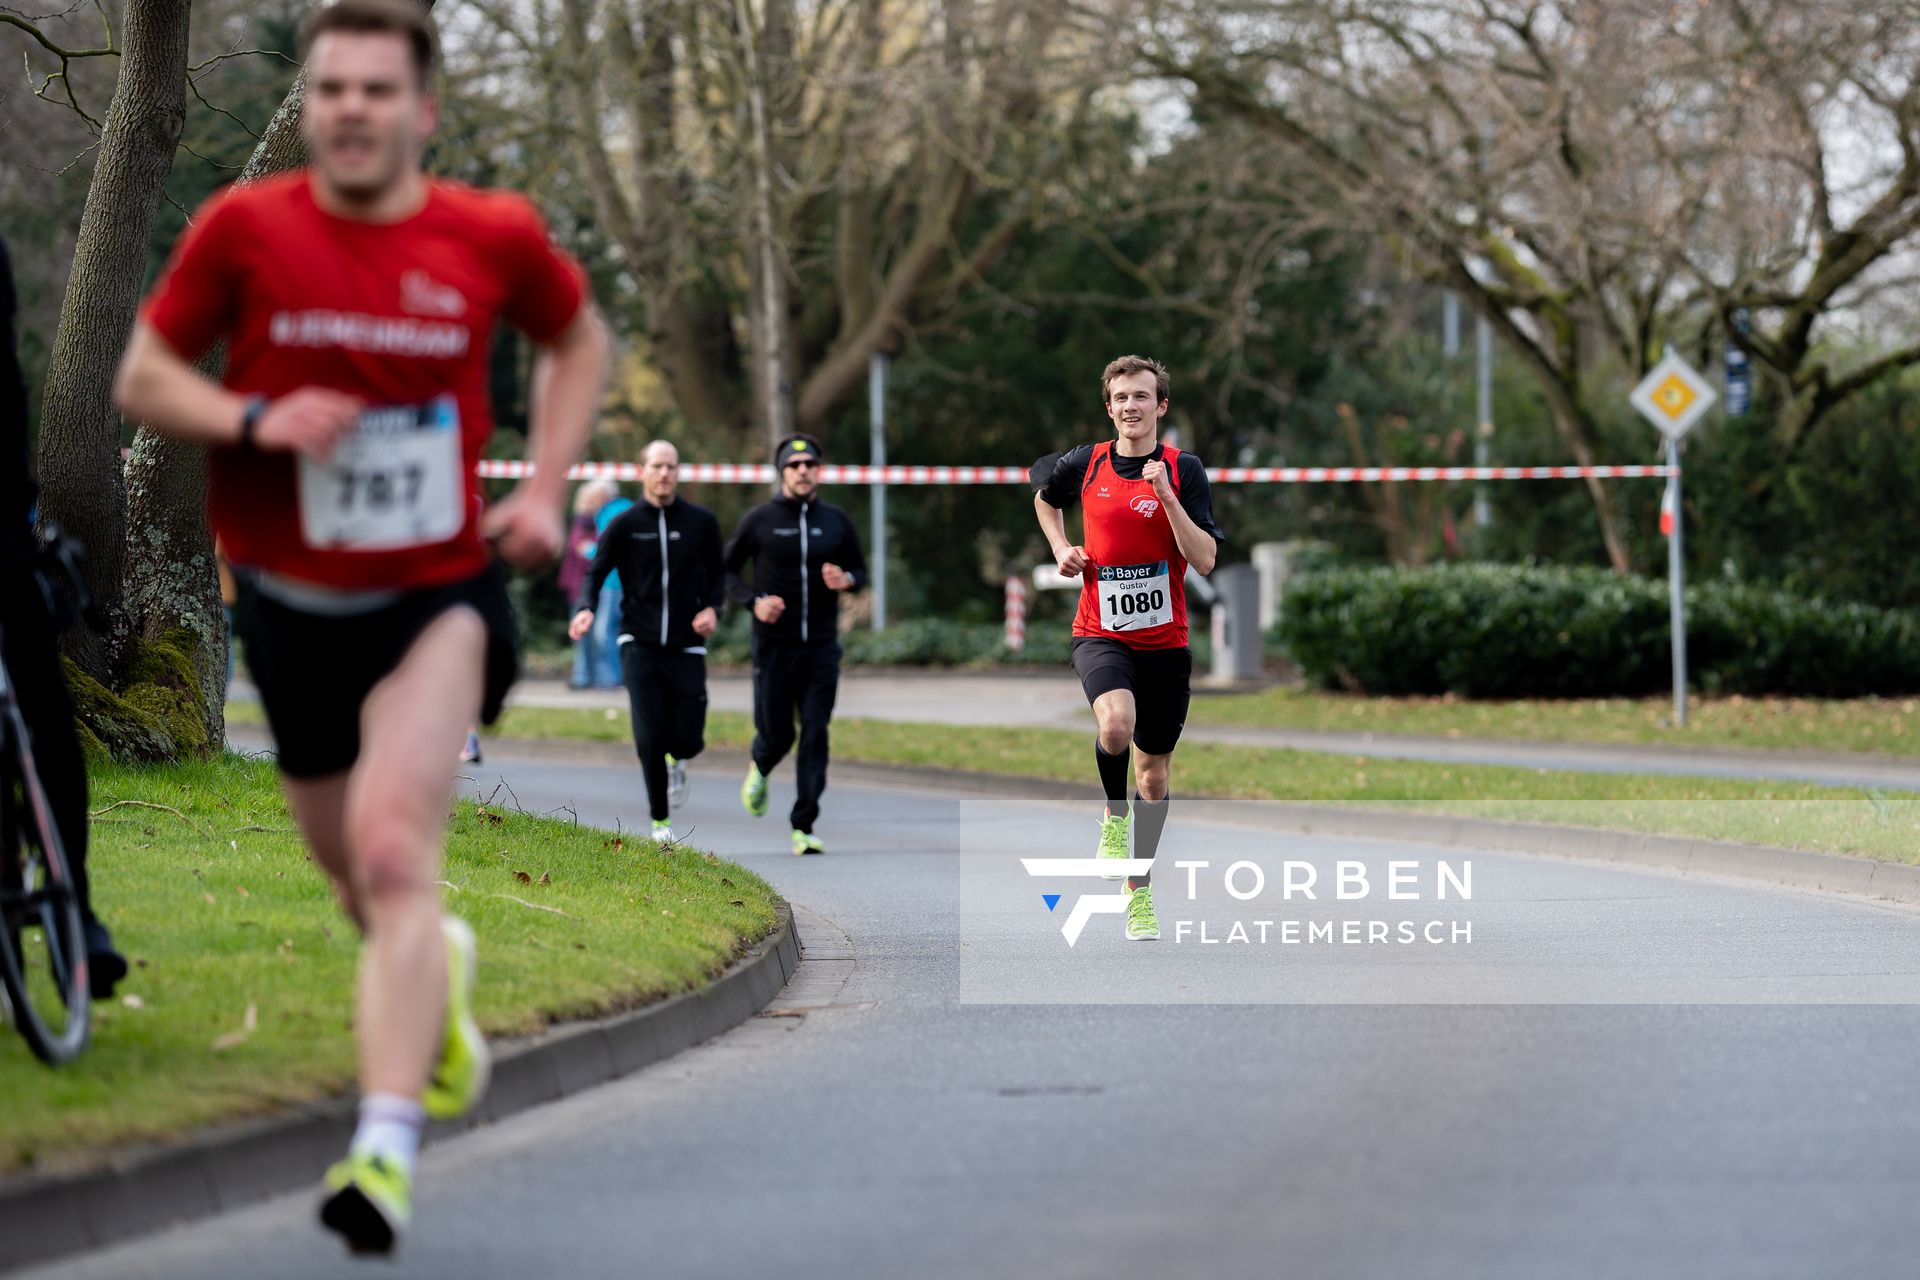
(809, 463)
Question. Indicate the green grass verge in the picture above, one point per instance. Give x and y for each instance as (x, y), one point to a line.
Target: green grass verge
(240, 998)
(1787, 814)
(1882, 725)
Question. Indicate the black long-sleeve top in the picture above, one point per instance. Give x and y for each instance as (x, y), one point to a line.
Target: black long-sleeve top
(669, 563)
(788, 540)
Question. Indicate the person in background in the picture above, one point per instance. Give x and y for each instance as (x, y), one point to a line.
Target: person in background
(668, 550)
(805, 552)
(581, 536)
(229, 595)
(32, 649)
(605, 636)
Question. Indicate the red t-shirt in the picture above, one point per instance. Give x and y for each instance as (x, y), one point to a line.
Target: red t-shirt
(399, 314)
(1136, 573)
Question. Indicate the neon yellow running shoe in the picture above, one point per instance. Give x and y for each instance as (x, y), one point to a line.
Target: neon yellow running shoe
(1142, 924)
(1113, 843)
(663, 833)
(753, 792)
(805, 842)
(368, 1204)
(460, 1077)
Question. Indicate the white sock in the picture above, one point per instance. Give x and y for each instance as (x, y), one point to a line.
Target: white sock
(390, 1126)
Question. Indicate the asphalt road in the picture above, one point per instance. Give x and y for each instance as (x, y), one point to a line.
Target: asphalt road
(1674, 1078)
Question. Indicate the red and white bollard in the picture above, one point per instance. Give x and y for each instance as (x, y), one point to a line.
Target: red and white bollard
(1016, 638)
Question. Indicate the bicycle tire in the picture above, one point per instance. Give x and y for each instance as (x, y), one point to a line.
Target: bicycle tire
(43, 948)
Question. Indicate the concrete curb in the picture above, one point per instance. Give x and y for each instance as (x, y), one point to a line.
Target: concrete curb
(1766, 864)
(145, 1189)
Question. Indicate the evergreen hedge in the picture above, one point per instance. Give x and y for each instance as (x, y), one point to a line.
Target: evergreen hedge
(1516, 631)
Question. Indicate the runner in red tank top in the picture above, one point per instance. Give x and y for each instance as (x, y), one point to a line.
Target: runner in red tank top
(1148, 515)
(357, 299)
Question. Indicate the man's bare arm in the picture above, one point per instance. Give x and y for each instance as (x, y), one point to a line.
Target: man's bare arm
(528, 526)
(1053, 523)
(155, 386)
(1195, 543)
(569, 377)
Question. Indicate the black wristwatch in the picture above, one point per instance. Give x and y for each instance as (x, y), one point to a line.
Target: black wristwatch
(250, 419)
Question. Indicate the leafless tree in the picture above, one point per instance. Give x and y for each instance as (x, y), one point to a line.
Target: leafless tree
(1599, 179)
(79, 450)
(794, 185)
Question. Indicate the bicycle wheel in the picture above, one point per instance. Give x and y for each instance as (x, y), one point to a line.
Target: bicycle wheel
(43, 951)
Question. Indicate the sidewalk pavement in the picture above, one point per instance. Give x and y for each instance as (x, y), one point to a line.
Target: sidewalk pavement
(1053, 701)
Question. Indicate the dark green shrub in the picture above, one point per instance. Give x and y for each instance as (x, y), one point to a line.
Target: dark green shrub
(1510, 631)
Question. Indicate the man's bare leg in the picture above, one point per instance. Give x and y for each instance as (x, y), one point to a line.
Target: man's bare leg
(396, 807)
(319, 807)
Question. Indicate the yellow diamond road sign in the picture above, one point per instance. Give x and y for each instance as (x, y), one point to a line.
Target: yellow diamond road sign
(1673, 397)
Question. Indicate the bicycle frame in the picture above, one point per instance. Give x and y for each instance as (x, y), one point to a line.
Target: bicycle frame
(55, 904)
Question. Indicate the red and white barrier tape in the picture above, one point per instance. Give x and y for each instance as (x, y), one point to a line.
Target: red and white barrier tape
(762, 473)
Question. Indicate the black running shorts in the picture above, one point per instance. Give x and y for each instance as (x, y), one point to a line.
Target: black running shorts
(1159, 679)
(314, 671)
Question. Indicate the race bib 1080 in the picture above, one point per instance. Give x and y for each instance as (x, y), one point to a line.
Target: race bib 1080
(1134, 597)
(394, 483)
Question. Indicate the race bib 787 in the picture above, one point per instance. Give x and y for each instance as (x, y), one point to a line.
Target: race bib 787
(394, 483)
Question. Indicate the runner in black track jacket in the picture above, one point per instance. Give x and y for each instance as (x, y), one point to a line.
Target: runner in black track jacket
(805, 552)
(667, 552)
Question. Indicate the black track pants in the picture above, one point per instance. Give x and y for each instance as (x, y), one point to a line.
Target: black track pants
(667, 690)
(790, 679)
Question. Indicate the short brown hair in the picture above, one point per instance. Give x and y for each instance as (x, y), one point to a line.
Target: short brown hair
(1125, 365)
(407, 18)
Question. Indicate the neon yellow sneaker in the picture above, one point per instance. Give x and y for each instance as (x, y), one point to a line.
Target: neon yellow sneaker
(753, 792)
(805, 842)
(1142, 924)
(663, 833)
(1113, 843)
(368, 1204)
(460, 1077)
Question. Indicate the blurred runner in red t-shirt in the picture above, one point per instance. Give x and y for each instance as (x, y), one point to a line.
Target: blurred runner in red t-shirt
(357, 299)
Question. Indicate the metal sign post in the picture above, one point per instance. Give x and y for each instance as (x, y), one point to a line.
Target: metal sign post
(1673, 397)
(877, 454)
(1677, 589)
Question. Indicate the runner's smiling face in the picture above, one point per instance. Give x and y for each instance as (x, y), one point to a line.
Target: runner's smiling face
(1136, 411)
(367, 117)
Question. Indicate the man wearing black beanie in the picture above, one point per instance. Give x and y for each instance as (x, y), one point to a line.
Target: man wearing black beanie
(805, 552)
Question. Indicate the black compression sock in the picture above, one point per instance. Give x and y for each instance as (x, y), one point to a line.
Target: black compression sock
(1149, 820)
(1113, 779)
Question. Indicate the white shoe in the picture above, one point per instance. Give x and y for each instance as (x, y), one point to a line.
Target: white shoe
(676, 783)
(663, 833)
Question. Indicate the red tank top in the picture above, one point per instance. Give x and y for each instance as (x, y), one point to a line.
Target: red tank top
(1134, 590)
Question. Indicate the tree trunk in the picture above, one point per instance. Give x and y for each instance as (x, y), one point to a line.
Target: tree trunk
(768, 55)
(170, 578)
(82, 489)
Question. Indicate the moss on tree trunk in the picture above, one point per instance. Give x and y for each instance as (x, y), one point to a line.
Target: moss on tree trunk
(159, 715)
